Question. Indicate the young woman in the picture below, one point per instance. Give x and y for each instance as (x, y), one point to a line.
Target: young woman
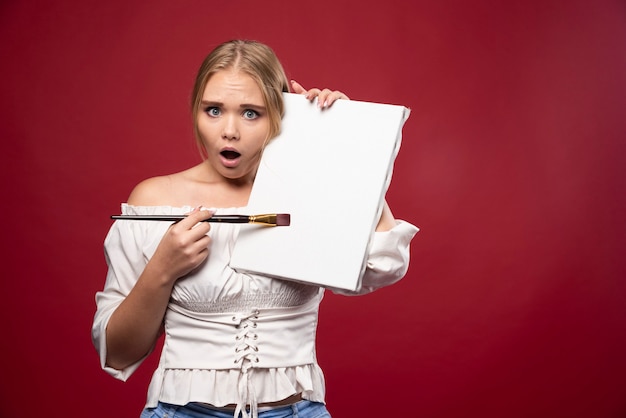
(235, 344)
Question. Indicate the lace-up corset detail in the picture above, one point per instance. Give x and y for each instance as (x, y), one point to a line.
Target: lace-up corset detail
(246, 339)
(246, 355)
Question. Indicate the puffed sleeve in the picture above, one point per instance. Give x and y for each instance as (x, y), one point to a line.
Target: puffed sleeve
(388, 258)
(126, 261)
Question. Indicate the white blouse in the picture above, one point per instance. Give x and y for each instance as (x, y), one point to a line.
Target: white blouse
(231, 338)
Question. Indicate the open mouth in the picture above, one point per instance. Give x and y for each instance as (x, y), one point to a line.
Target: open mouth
(230, 154)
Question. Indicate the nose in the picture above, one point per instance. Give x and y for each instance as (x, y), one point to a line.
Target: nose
(230, 129)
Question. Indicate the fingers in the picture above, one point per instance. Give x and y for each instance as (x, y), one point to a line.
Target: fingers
(185, 245)
(198, 215)
(325, 97)
(192, 226)
(309, 94)
(197, 230)
(297, 87)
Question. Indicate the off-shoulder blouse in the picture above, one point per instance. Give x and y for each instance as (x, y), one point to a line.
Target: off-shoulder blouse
(231, 338)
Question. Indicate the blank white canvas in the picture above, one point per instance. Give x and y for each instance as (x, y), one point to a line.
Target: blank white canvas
(329, 169)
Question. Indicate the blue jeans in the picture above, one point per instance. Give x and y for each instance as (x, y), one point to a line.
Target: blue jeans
(302, 409)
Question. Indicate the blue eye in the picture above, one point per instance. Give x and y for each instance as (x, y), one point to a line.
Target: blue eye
(250, 114)
(212, 111)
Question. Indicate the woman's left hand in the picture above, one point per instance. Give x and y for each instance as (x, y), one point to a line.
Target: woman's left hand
(325, 97)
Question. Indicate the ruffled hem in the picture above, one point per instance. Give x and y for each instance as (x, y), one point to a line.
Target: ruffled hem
(216, 387)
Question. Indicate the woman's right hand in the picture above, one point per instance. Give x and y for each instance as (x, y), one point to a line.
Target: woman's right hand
(184, 246)
(135, 325)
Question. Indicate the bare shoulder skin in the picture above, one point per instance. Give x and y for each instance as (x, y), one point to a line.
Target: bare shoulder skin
(192, 187)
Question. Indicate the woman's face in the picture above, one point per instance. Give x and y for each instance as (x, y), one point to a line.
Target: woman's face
(233, 124)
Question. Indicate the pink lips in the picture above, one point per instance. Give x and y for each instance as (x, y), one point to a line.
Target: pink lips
(230, 157)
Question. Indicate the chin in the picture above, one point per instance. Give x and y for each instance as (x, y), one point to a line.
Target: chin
(237, 175)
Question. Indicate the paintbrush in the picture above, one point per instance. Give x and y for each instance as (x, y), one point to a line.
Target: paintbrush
(273, 219)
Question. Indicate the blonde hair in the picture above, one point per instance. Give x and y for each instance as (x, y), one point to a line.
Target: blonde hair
(258, 61)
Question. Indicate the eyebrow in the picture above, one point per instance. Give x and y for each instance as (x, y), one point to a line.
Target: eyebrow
(242, 106)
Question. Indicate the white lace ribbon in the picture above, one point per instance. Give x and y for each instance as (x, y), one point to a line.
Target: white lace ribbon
(246, 356)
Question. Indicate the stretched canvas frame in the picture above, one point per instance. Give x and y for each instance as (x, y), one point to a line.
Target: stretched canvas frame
(329, 169)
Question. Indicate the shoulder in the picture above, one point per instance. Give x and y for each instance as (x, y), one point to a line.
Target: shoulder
(151, 192)
(178, 189)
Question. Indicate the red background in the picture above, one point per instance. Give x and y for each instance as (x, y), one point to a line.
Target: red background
(512, 164)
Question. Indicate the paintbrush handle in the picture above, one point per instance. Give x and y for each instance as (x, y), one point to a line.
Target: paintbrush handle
(270, 219)
(238, 219)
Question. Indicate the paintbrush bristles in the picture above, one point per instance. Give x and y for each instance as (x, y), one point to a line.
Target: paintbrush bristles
(277, 219)
(283, 219)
